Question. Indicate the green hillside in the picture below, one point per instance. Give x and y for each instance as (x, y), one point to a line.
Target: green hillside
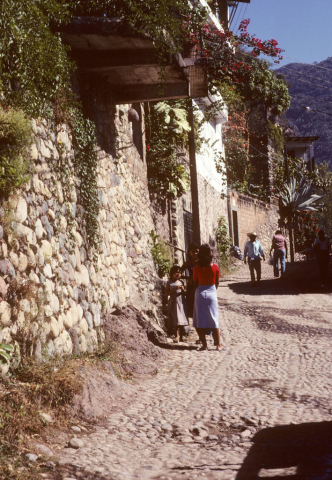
(311, 85)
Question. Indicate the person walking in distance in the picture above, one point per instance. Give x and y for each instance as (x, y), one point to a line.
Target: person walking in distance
(254, 251)
(322, 249)
(279, 246)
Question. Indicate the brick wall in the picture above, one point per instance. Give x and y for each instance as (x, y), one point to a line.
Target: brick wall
(252, 215)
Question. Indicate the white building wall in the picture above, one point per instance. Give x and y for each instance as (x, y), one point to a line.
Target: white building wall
(212, 187)
(212, 132)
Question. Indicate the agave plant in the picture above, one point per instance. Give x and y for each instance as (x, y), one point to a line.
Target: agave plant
(9, 356)
(175, 117)
(297, 196)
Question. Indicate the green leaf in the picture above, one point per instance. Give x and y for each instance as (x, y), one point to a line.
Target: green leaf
(9, 348)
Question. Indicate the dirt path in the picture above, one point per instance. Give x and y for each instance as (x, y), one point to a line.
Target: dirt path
(261, 408)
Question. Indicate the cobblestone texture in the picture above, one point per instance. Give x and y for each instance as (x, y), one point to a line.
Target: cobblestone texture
(261, 408)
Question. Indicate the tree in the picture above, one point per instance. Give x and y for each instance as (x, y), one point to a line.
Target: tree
(34, 65)
(250, 104)
(263, 87)
(166, 131)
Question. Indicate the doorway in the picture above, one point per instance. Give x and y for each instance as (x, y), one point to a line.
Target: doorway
(235, 228)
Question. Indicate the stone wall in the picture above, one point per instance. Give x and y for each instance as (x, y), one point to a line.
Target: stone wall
(252, 215)
(43, 245)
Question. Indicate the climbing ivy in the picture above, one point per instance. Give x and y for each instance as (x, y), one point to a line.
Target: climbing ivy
(15, 139)
(160, 254)
(276, 137)
(86, 161)
(34, 65)
(224, 241)
(162, 20)
(35, 75)
(166, 132)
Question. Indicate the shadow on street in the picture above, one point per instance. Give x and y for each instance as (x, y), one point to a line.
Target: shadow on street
(175, 346)
(293, 452)
(279, 287)
(300, 278)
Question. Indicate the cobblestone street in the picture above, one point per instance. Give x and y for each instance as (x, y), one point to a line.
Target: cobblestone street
(260, 408)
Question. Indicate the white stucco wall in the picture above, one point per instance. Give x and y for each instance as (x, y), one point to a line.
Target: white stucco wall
(212, 131)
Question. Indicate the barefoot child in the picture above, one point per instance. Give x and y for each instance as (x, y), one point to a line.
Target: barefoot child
(177, 306)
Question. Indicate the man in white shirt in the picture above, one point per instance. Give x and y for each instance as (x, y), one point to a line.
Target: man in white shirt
(254, 251)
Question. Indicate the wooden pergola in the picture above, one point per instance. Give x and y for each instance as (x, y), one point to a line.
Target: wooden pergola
(110, 50)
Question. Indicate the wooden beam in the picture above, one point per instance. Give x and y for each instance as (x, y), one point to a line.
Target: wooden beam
(149, 93)
(93, 60)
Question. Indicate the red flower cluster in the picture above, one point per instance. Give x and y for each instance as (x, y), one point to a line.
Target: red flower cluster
(267, 47)
(219, 47)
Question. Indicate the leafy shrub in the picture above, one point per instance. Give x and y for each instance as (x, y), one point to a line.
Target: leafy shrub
(276, 137)
(161, 254)
(34, 64)
(166, 130)
(15, 138)
(223, 241)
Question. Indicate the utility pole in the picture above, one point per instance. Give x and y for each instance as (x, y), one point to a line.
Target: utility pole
(193, 175)
(223, 9)
(286, 174)
(290, 220)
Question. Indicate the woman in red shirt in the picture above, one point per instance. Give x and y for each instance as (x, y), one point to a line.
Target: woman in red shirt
(206, 280)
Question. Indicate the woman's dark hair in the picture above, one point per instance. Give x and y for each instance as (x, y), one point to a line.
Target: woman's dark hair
(204, 255)
(173, 270)
(278, 232)
(192, 246)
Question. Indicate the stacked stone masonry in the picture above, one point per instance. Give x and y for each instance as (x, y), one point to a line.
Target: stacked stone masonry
(46, 248)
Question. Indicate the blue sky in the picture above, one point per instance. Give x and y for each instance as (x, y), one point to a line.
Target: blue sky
(301, 27)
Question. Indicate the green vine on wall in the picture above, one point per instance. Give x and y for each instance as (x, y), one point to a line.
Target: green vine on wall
(35, 76)
(15, 140)
(224, 241)
(166, 132)
(276, 137)
(85, 166)
(86, 162)
(160, 254)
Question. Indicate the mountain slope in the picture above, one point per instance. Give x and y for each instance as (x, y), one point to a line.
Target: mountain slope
(311, 85)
